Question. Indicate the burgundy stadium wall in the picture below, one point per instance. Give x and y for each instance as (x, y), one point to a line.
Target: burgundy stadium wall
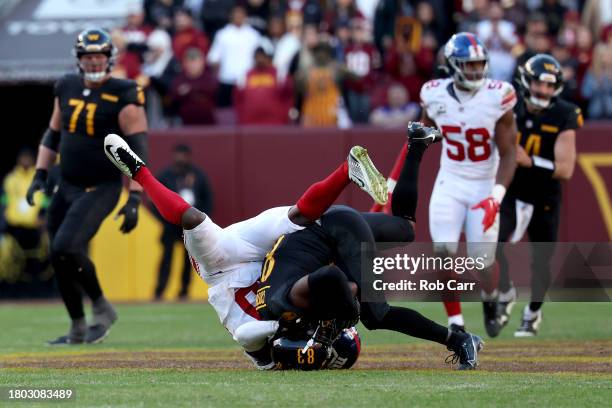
(255, 168)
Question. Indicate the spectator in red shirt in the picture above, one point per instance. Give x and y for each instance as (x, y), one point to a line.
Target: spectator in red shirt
(262, 99)
(361, 59)
(193, 92)
(186, 35)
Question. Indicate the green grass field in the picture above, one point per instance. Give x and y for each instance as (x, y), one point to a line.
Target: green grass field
(171, 355)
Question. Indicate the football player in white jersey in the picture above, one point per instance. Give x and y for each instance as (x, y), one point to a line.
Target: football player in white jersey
(229, 259)
(478, 161)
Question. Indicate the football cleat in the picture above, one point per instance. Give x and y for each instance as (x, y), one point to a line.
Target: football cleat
(506, 302)
(120, 154)
(262, 358)
(466, 353)
(362, 172)
(457, 328)
(491, 321)
(66, 341)
(418, 133)
(529, 327)
(96, 333)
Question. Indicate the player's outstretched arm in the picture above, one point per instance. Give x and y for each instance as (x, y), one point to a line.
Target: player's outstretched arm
(47, 152)
(505, 139)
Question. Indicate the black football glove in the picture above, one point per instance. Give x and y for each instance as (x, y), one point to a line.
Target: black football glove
(38, 183)
(129, 212)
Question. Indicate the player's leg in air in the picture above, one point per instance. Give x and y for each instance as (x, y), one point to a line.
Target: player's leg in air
(290, 287)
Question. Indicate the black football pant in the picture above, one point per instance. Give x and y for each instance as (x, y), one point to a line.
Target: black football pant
(170, 236)
(74, 216)
(543, 227)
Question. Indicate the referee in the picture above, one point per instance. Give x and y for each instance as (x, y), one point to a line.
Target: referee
(87, 107)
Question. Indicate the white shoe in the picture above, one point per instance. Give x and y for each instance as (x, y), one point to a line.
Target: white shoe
(363, 173)
(529, 328)
(118, 151)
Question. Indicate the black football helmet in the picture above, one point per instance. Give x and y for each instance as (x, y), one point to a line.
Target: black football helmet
(545, 68)
(94, 41)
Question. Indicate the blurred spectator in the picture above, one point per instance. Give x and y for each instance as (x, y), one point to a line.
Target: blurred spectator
(186, 35)
(233, 64)
(160, 13)
(596, 15)
(262, 84)
(22, 220)
(310, 10)
(569, 65)
(289, 44)
(536, 39)
(398, 110)
(322, 100)
(275, 29)
(367, 8)
(568, 32)
(131, 42)
(597, 85)
(583, 51)
(499, 38)
(258, 12)
(475, 14)
(214, 15)
(341, 40)
(158, 71)
(304, 59)
(361, 59)
(342, 11)
(191, 184)
(430, 24)
(554, 13)
(194, 91)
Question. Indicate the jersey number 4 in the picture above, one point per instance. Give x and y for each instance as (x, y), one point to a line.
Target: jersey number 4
(478, 148)
(90, 108)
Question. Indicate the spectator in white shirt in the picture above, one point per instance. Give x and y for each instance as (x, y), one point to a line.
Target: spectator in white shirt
(499, 37)
(232, 52)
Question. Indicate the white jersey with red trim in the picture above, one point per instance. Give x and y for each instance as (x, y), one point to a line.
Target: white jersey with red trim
(468, 124)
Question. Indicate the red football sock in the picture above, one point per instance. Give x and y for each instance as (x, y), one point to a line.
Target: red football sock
(169, 204)
(321, 195)
(489, 281)
(452, 308)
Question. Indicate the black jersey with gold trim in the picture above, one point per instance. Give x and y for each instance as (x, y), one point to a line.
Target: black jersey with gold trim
(88, 115)
(538, 133)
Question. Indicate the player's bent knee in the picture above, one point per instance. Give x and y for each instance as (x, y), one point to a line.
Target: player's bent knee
(373, 314)
(192, 218)
(252, 336)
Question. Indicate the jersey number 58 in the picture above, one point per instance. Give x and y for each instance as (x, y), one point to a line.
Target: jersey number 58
(478, 148)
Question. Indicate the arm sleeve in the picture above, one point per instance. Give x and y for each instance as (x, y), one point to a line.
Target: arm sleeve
(574, 119)
(134, 94)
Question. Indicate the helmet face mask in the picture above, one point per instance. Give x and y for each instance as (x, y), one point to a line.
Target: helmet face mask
(541, 81)
(468, 60)
(95, 53)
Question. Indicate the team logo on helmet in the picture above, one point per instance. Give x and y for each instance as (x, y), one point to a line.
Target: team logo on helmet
(467, 59)
(543, 68)
(94, 41)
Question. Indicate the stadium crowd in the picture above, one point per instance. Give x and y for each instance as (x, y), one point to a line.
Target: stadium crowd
(344, 62)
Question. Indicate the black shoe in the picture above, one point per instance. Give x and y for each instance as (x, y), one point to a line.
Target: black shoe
(262, 358)
(418, 133)
(96, 333)
(505, 304)
(118, 152)
(65, 341)
(457, 328)
(529, 328)
(491, 322)
(466, 352)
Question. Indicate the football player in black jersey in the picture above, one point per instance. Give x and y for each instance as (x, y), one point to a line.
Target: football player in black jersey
(546, 156)
(87, 107)
(316, 272)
